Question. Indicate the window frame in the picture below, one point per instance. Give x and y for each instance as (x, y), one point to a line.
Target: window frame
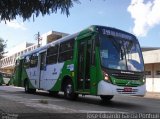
(66, 53)
(34, 60)
(27, 61)
(51, 55)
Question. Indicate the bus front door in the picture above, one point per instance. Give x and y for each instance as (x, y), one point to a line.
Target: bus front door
(84, 58)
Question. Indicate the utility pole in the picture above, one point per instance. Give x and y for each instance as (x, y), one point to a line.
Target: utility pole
(38, 38)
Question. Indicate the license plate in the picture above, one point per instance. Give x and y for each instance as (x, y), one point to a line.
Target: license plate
(127, 89)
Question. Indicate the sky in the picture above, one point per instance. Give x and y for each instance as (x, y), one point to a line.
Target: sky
(139, 17)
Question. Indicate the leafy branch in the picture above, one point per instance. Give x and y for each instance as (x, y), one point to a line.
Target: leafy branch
(10, 9)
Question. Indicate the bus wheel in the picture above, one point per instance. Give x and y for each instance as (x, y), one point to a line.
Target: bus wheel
(53, 93)
(32, 91)
(68, 92)
(106, 97)
(27, 89)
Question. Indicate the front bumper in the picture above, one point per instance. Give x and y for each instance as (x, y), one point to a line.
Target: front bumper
(105, 88)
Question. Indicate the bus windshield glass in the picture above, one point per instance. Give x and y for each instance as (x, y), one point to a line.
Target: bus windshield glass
(120, 54)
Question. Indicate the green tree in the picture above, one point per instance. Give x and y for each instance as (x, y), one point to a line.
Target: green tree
(2, 47)
(10, 9)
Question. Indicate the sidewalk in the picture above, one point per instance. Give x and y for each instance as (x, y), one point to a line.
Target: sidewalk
(155, 95)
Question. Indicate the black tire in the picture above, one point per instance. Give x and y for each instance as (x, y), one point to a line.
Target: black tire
(69, 93)
(27, 89)
(53, 93)
(32, 91)
(106, 97)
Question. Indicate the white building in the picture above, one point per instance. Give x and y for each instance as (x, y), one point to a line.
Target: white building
(152, 69)
(8, 62)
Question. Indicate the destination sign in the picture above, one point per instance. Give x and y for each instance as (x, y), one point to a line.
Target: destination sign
(116, 33)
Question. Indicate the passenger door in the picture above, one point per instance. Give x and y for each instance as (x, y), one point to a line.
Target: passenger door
(42, 69)
(84, 63)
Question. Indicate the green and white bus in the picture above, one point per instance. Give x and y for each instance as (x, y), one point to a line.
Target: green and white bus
(99, 60)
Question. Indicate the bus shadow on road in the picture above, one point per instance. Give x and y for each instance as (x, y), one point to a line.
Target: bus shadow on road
(114, 103)
(124, 103)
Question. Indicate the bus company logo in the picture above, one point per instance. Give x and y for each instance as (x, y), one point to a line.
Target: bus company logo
(70, 67)
(126, 72)
(128, 83)
(34, 73)
(54, 71)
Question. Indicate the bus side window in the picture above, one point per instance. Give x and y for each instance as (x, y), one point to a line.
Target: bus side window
(66, 50)
(27, 62)
(43, 61)
(34, 60)
(52, 54)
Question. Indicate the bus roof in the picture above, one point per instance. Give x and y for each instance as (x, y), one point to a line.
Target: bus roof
(90, 28)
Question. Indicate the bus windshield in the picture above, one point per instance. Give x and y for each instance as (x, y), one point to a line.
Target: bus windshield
(120, 54)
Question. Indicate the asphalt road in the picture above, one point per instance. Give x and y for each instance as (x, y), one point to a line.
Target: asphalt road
(14, 103)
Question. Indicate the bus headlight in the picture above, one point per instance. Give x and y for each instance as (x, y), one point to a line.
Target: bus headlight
(106, 77)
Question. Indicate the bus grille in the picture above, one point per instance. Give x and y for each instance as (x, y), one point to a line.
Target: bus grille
(121, 91)
(124, 84)
(126, 76)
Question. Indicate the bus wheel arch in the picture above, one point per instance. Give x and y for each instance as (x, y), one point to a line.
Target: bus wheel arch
(67, 88)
